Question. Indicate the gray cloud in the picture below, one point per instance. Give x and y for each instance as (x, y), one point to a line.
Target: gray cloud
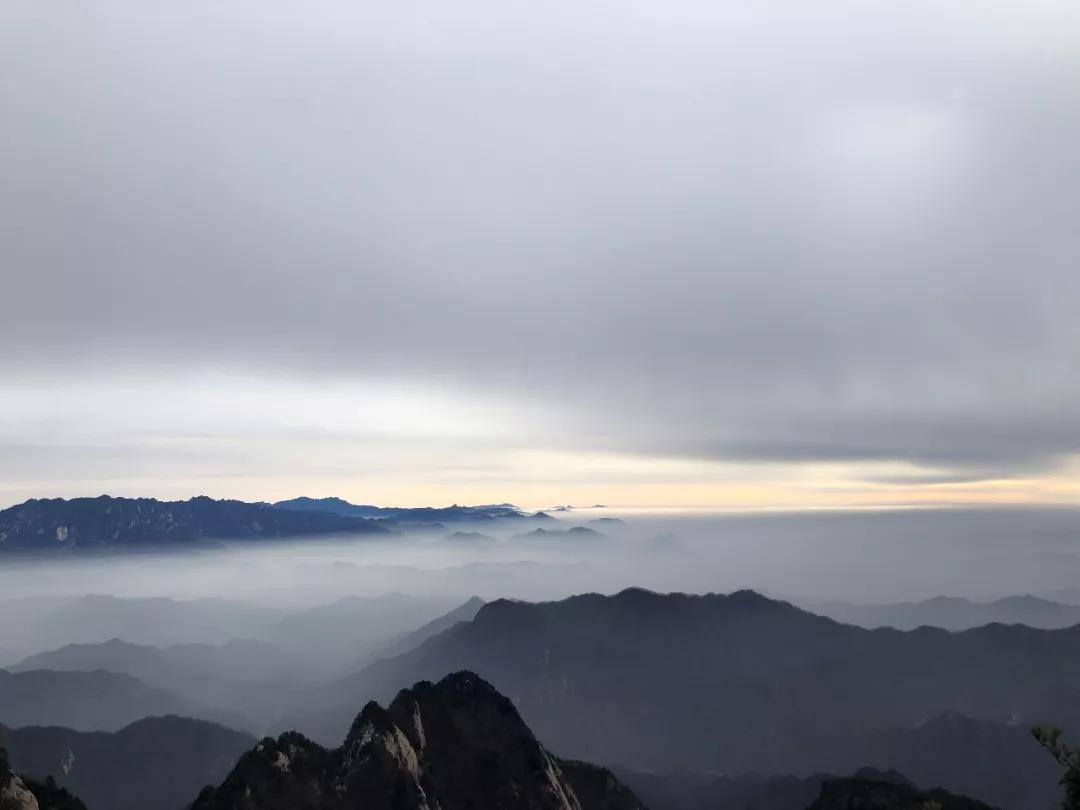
(779, 232)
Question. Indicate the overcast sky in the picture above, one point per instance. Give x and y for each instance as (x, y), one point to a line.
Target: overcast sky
(652, 252)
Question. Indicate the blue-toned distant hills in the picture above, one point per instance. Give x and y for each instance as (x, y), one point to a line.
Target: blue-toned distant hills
(411, 515)
(119, 524)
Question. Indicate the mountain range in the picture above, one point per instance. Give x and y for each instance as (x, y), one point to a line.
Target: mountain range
(951, 613)
(157, 763)
(106, 523)
(415, 516)
(112, 524)
(88, 701)
(742, 683)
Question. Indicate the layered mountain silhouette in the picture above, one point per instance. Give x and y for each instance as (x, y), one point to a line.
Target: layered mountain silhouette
(454, 745)
(739, 683)
(575, 533)
(952, 613)
(415, 516)
(49, 622)
(157, 763)
(465, 612)
(88, 701)
(248, 680)
(95, 524)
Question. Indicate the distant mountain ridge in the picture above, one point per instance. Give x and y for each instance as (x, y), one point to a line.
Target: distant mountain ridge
(423, 515)
(133, 524)
(453, 745)
(97, 700)
(951, 613)
(244, 680)
(158, 763)
(107, 523)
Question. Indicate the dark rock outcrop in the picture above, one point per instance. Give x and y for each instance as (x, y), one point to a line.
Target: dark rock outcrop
(20, 793)
(454, 745)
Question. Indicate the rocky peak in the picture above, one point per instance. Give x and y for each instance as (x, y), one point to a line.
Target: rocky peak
(14, 795)
(453, 745)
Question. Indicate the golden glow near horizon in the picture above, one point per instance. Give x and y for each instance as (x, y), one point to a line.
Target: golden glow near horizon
(256, 440)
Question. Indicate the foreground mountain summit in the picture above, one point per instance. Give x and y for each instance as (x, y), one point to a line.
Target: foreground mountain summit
(452, 745)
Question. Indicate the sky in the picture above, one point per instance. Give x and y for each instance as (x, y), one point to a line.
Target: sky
(656, 252)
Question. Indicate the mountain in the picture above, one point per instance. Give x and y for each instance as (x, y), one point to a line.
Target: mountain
(679, 790)
(332, 638)
(462, 613)
(14, 794)
(409, 516)
(157, 763)
(733, 683)
(22, 793)
(877, 794)
(577, 533)
(454, 745)
(249, 678)
(105, 523)
(1000, 764)
(966, 754)
(88, 701)
(46, 624)
(952, 613)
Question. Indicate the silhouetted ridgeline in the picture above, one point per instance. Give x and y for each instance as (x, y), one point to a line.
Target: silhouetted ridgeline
(159, 763)
(744, 683)
(415, 516)
(952, 613)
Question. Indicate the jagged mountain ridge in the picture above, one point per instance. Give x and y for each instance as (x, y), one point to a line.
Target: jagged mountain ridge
(951, 613)
(452, 745)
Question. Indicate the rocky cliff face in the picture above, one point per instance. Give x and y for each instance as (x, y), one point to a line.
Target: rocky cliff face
(25, 794)
(14, 794)
(454, 745)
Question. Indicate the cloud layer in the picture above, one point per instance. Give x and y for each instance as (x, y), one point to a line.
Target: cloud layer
(783, 233)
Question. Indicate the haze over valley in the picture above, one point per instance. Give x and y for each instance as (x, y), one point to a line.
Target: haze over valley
(485, 405)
